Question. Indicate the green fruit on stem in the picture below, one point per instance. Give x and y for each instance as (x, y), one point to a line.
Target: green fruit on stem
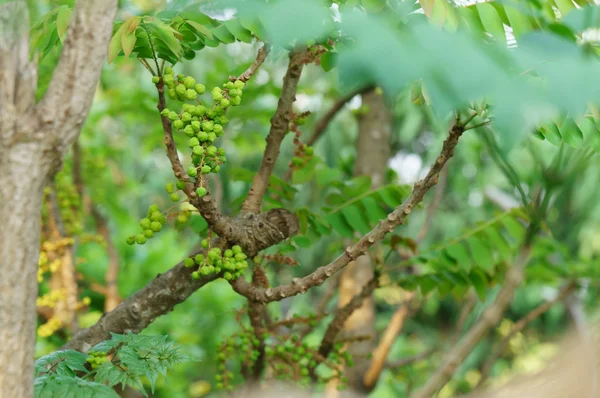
(145, 223)
(173, 116)
(190, 94)
(168, 70)
(239, 84)
(131, 240)
(155, 79)
(200, 191)
(174, 197)
(165, 112)
(180, 89)
(235, 101)
(178, 124)
(140, 239)
(208, 126)
(189, 262)
(168, 79)
(172, 94)
(155, 226)
(200, 110)
(212, 136)
(170, 188)
(148, 233)
(206, 169)
(198, 150)
(202, 136)
(192, 172)
(180, 185)
(204, 243)
(189, 82)
(193, 142)
(200, 89)
(224, 102)
(211, 150)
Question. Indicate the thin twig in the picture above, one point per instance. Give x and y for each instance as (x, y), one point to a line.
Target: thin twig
(260, 58)
(385, 344)
(520, 325)
(431, 209)
(408, 361)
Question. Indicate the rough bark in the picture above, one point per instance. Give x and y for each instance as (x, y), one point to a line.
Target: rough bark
(33, 140)
(372, 154)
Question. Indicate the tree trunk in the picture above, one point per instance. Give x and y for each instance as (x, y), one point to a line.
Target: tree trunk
(373, 152)
(33, 141)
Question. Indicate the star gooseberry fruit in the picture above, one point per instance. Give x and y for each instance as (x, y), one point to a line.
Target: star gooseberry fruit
(155, 79)
(201, 191)
(200, 88)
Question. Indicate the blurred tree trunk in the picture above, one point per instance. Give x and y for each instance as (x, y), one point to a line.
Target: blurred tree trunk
(372, 154)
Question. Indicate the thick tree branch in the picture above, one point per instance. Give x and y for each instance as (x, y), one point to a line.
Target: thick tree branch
(337, 106)
(520, 325)
(279, 128)
(248, 73)
(393, 220)
(157, 298)
(385, 344)
(490, 317)
(65, 105)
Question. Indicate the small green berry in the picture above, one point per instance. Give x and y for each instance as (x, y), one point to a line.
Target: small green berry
(186, 117)
(200, 89)
(200, 110)
(235, 101)
(189, 131)
(309, 150)
(192, 172)
(208, 126)
(155, 226)
(168, 79)
(211, 150)
(170, 188)
(178, 124)
(190, 94)
(168, 70)
(199, 258)
(155, 79)
(165, 112)
(228, 276)
(145, 223)
(180, 185)
(204, 243)
(225, 102)
(236, 249)
(206, 169)
(180, 89)
(202, 136)
(174, 197)
(196, 275)
(236, 92)
(217, 93)
(239, 84)
(201, 191)
(189, 82)
(140, 239)
(193, 142)
(189, 262)
(148, 233)
(212, 136)
(198, 150)
(216, 169)
(173, 116)
(131, 240)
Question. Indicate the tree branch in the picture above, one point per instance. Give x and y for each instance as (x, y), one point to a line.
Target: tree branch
(337, 323)
(65, 105)
(337, 106)
(157, 298)
(248, 73)
(279, 128)
(490, 317)
(520, 325)
(408, 361)
(389, 336)
(393, 220)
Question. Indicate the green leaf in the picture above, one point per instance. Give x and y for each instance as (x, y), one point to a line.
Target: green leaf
(128, 42)
(115, 46)
(519, 22)
(326, 176)
(70, 387)
(164, 33)
(481, 253)
(354, 217)
(373, 6)
(373, 211)
(491, 21)
(498, 242)
(223, 34)
(237, 30)
(302, 241)
(328, 61)
(551, 133)
(339, 223)
(459, 253)
(571, 133)
(480, 283)
(515, 229)
(62, 21)
(201, 29)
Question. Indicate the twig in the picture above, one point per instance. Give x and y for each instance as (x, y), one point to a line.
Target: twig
(389, 336)
(462, 318)
(324, 121)
(408, 361)
(385, 226)
(437, 199)
(260, 58)
(520, 325)
(490, 317)
(341, 315)
(279, 128)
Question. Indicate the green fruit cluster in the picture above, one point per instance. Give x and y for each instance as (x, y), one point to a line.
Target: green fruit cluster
(152, 223)
(242, 346)
(303, 155)
(201, 124)
(96, 359)
(232, 262)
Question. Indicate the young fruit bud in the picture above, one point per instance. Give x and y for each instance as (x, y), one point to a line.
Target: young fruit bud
(211, 150)
(200, 89)
(196, 275)
(235, 92)
(155, 226)
(189, 131)
(217, 93)
(168, 70)
(174, 197)
(205, 169)
(296, 161)
(156, 216)
(169, 187)
(204, 243)
(196, 125)
(193, 142)
(180, 185)
(202, 136)
(140, 239)
(208, 126)
(200, 110)
(192, 172)
(180, 89)
(225, 102)
(198, 150)
(190, 94)
(131, 240)
(228, 276)
(217, 128)
(172, 94)
(186, 117)
(216, 169)
(239, 84)
(165, 112)
(178, 124)
(189, 82)
(145, 223)
(155, 79)
(235, 101)
(201, 191)
(189, 262)
(173, 116)
(148, 233)
(168, 79)
(309, 150)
